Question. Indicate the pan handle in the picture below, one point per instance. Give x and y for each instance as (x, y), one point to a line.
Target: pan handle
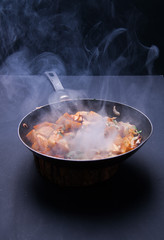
(52, 76)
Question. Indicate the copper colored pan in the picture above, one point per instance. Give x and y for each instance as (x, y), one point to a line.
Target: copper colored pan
(73, 172)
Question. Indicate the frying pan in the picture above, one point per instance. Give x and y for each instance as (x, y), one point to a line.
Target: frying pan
(74, 172)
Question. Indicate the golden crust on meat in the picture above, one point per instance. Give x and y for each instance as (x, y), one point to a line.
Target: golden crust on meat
(84, 135)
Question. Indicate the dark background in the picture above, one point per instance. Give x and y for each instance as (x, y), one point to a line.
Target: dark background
(75, 36)
(153, 34)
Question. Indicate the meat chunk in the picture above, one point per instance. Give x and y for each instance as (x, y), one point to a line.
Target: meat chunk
(68, 122)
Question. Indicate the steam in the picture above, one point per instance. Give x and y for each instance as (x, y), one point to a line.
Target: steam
(50, 35)
(92, 140)
(38, 36)
(153, 54)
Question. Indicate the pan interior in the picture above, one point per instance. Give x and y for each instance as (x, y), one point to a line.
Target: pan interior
(53, 111)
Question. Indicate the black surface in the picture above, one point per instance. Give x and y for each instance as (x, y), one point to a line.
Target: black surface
(129, 206)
